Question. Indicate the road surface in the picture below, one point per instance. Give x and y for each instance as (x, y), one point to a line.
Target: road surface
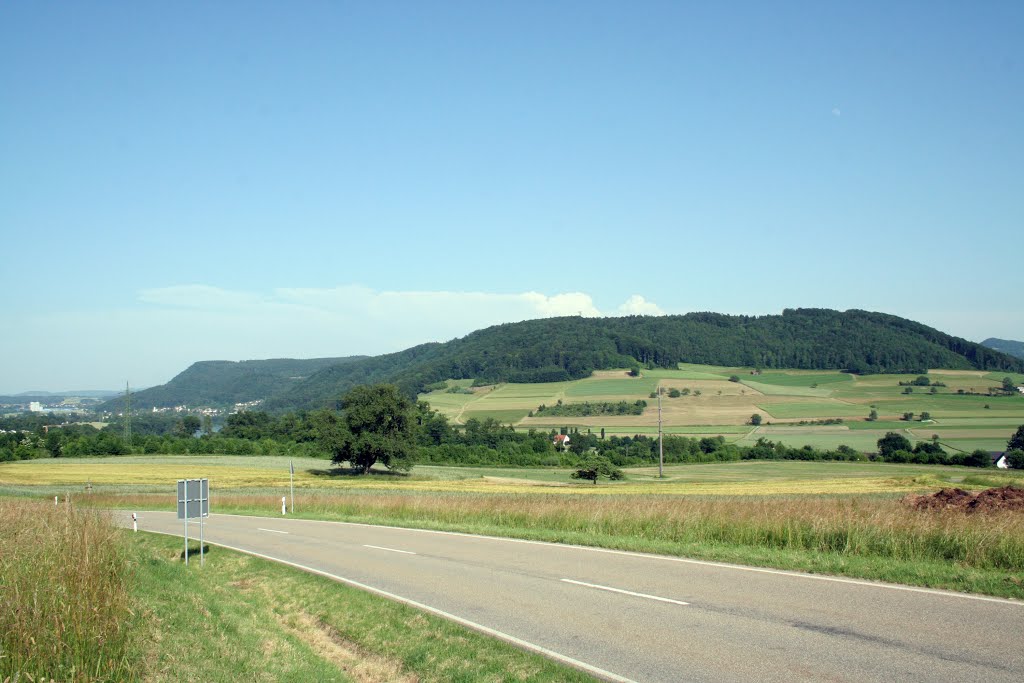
(636, 617)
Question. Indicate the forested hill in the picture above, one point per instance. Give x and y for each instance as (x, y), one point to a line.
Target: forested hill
(555, 349)
(1007, 346)
(225, 383)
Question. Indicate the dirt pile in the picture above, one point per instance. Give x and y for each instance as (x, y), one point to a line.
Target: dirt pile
(998, 499)
(1005, 498)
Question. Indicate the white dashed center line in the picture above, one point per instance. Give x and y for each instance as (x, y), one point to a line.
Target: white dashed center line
(625, 592)
(390, 550)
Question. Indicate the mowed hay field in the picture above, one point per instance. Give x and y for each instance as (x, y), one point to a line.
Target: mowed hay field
(86, 478)
(714, 405)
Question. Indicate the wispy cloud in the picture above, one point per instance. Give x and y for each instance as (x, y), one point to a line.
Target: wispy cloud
(171, 327)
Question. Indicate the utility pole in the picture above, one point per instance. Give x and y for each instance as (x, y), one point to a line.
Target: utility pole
(127, 414)
(661, 448)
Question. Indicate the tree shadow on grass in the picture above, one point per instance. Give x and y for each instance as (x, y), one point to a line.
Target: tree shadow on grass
(355, 473)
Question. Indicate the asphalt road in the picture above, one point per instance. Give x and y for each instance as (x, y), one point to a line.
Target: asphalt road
(631, 616)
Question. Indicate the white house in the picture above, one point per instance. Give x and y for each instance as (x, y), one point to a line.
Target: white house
(1000, 461)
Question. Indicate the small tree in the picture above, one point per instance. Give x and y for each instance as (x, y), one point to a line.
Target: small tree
(892, 442)
(908, 416)
(674, 393)
(634, 371)
(595, 467)
(755, 419)
(925, 416)
(978, 458)
(734, 378)
(873, 415)
(1008, 384)
(1015, 459)
(187, 426)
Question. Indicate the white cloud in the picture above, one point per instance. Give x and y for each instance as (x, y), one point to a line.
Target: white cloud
(836, 112)
(637, 305)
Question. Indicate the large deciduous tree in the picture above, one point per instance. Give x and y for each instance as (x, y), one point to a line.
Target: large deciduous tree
(1016, 442)
(380, 429)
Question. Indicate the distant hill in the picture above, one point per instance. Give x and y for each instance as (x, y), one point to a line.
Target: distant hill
(1007, 346)
(225, 383)
(555, 349)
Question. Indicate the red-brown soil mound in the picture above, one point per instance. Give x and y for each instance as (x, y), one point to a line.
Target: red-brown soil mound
(1003, 498)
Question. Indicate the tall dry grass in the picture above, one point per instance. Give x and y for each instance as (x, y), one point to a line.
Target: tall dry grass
(845, 525)
(65, 607)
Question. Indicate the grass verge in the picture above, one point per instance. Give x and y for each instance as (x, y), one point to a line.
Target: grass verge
(243, 617)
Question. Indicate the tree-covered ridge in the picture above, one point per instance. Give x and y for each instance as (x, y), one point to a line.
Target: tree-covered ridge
(1007, 346)
(225, 383)
(555, 349)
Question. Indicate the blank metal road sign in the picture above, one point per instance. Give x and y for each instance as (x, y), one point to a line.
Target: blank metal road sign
(193, 498)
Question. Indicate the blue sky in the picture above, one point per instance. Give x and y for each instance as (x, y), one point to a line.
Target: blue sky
(233, 180)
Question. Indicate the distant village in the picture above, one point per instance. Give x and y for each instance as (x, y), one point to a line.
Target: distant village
(12, 406)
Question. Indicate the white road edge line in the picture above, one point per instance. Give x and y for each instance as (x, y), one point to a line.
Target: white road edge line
(625, 592)
(390, 550)
(668, 558)
(512, 640)
(273, 531)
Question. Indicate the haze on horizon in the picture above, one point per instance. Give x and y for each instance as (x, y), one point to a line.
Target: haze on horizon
(256, 180)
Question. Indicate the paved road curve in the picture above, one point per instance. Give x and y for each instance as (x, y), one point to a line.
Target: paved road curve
(630, 616)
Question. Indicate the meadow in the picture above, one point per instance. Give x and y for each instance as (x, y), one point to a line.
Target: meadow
(780, 397)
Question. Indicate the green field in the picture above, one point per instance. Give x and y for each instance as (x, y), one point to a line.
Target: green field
(812, 409)
(619, 389)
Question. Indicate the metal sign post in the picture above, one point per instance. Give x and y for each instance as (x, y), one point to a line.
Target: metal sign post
(291, 471)
(193, 502)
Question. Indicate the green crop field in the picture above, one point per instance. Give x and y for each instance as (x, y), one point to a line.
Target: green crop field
(802, 379)
(688, 372)
(613, 389)
(817, 409)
